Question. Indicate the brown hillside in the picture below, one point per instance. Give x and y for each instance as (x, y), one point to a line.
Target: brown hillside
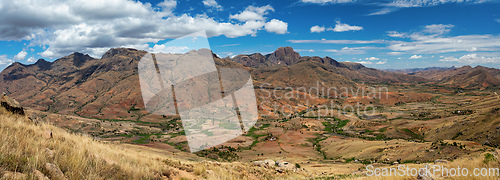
(478, 78)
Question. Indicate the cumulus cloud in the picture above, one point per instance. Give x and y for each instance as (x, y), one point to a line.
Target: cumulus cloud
(327, 1)
(471, 59)
(276, 26)
(213, 4)
(341, 27)
(317, 29)
(167, 7)
(94, 26)
(416, 56)
(31, 60)
(20, 56)
(4, 60)
(372, 58)
(381, 62)
(252, 13)
(365, 62)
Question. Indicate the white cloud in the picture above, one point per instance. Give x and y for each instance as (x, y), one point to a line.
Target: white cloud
(364, 62)
(395, 53)
(381, 12)
(276, 26)
(252, 13)
(439, 44)
(94, 26)
(347, 50)
(427, 3)
(304, 50)
(471, 58)
(324, 41)
(341, 27)
(416, 56)
(433, 39)
(20, 56)
(4, 60)
(396, 34)
(381, 62)
(31, 60)
(170, 49)
(372, 59)
(213, 4)
(353, 50)
(438, 29)
(317, 29)
(498, 20)
(327, 1)
(167, 7)
(394, 5)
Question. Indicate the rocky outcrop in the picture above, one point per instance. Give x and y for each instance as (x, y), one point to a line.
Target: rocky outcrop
(266, 163)
(118, 51)
(284, 56)
(280, 165)
(54, 171)
(11, 105)
(39, 175)
(12, 175)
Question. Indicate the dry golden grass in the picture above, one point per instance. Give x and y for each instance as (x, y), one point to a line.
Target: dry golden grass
(25, 147)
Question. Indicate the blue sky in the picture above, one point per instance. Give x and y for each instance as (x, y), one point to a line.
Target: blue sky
(389, 34)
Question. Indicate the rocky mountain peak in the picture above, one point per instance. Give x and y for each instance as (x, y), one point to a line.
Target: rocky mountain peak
(118, 51)
(43, 64)
(284, 56)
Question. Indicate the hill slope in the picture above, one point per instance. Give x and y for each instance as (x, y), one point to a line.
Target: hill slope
(477, 78)
(35, 150)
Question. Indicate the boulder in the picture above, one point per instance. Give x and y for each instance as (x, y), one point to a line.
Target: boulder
(12, 175)
(49, 153)
(259, 163)
(54, 171)
(266, 163)
(11, 105)
(47, 134)
(39, 175)
(281, 163)
(269, 163)
(283, 166)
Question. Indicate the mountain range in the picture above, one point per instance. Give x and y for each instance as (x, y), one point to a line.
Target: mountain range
(108, 88)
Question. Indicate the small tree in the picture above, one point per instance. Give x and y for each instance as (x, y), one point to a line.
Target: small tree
(297, 165)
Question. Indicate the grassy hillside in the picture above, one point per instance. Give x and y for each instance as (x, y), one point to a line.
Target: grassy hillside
(27, 147)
